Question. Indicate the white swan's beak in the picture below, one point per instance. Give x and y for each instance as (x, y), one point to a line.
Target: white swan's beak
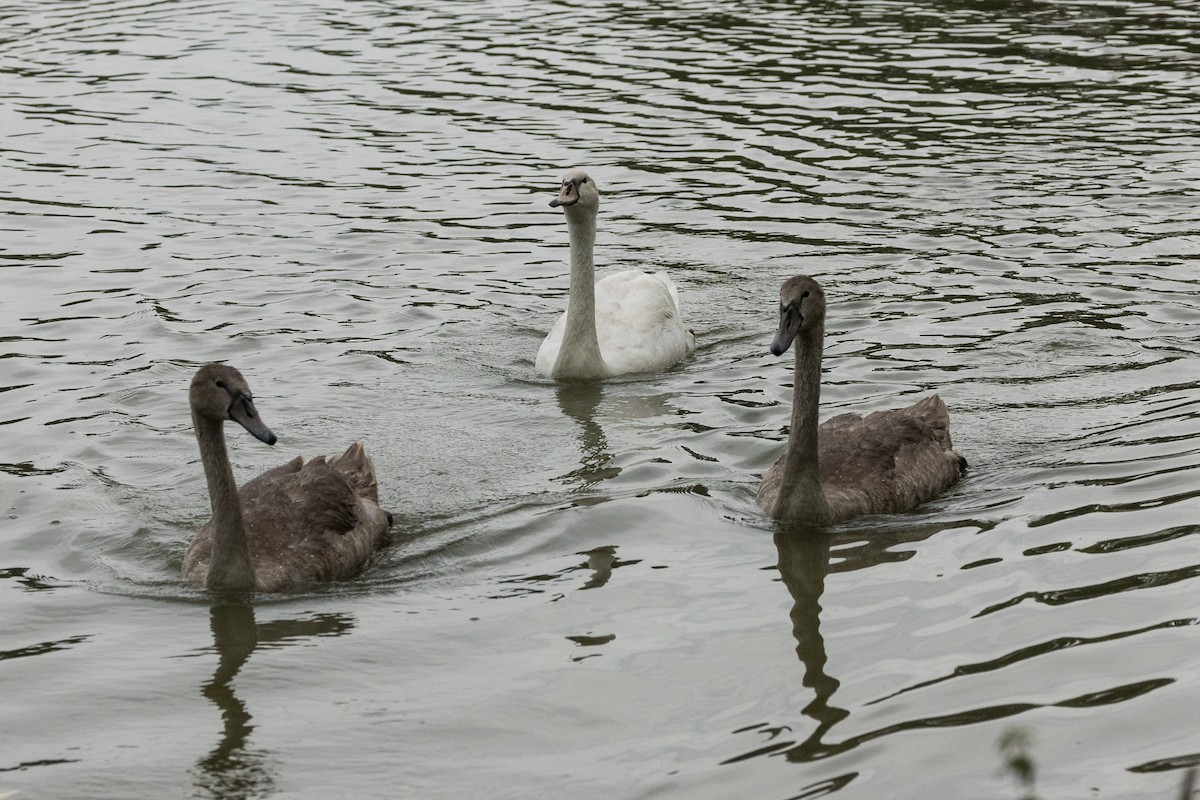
(787, 330)
(569, 195)
(241, 411)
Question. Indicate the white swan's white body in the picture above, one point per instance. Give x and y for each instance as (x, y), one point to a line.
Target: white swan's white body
(638, 326)
(628, 322)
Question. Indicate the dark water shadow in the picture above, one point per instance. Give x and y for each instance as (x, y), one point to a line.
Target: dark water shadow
(867, 545)
(601, 561)
(29, 580)
(579, 401)
(233, 769)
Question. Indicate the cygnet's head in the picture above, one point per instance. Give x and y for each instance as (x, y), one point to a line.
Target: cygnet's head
(578, 192)
(801, 307)
(220, 392)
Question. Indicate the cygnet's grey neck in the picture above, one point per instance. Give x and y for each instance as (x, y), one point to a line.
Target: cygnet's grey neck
(230, 566)
(801, 498)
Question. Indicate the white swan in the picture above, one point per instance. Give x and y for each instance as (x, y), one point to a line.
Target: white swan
(628, 322)
(887, 462)
(295, 524)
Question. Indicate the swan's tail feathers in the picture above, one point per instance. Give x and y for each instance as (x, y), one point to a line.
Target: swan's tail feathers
(932, 411)
(356, 466)
(932, 407)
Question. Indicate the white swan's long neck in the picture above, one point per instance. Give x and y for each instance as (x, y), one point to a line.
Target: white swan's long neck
(229, 567)
(579, 355)
(801, 498)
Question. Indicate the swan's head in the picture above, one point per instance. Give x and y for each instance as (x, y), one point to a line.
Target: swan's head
(220, 392)
(578, 192)
(801, 307)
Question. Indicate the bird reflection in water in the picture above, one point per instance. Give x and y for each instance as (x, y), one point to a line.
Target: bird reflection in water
(601, 561)
(803, 564)
(232, 769)
(579, 401)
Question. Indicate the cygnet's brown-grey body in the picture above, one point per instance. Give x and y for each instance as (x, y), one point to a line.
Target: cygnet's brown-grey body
(886, 462)
(299, 523)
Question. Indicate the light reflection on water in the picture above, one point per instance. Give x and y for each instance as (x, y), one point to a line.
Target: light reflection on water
(349, 203)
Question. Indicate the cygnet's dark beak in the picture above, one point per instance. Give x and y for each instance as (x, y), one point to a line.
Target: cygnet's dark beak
(787, 331)
(241, 411)
(568, 196)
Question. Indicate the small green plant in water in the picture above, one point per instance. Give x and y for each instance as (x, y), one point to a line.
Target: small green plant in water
(1014, 749)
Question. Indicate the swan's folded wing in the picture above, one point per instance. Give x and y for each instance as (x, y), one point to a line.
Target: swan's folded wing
(547, 353)
(889, 461)
(324, 498)
(309, 526)
(638, 323)
(852, 453)
(672, 289)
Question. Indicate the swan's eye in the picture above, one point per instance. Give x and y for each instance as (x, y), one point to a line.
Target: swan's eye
(585, 180)
(804, 295)
(222, 385)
